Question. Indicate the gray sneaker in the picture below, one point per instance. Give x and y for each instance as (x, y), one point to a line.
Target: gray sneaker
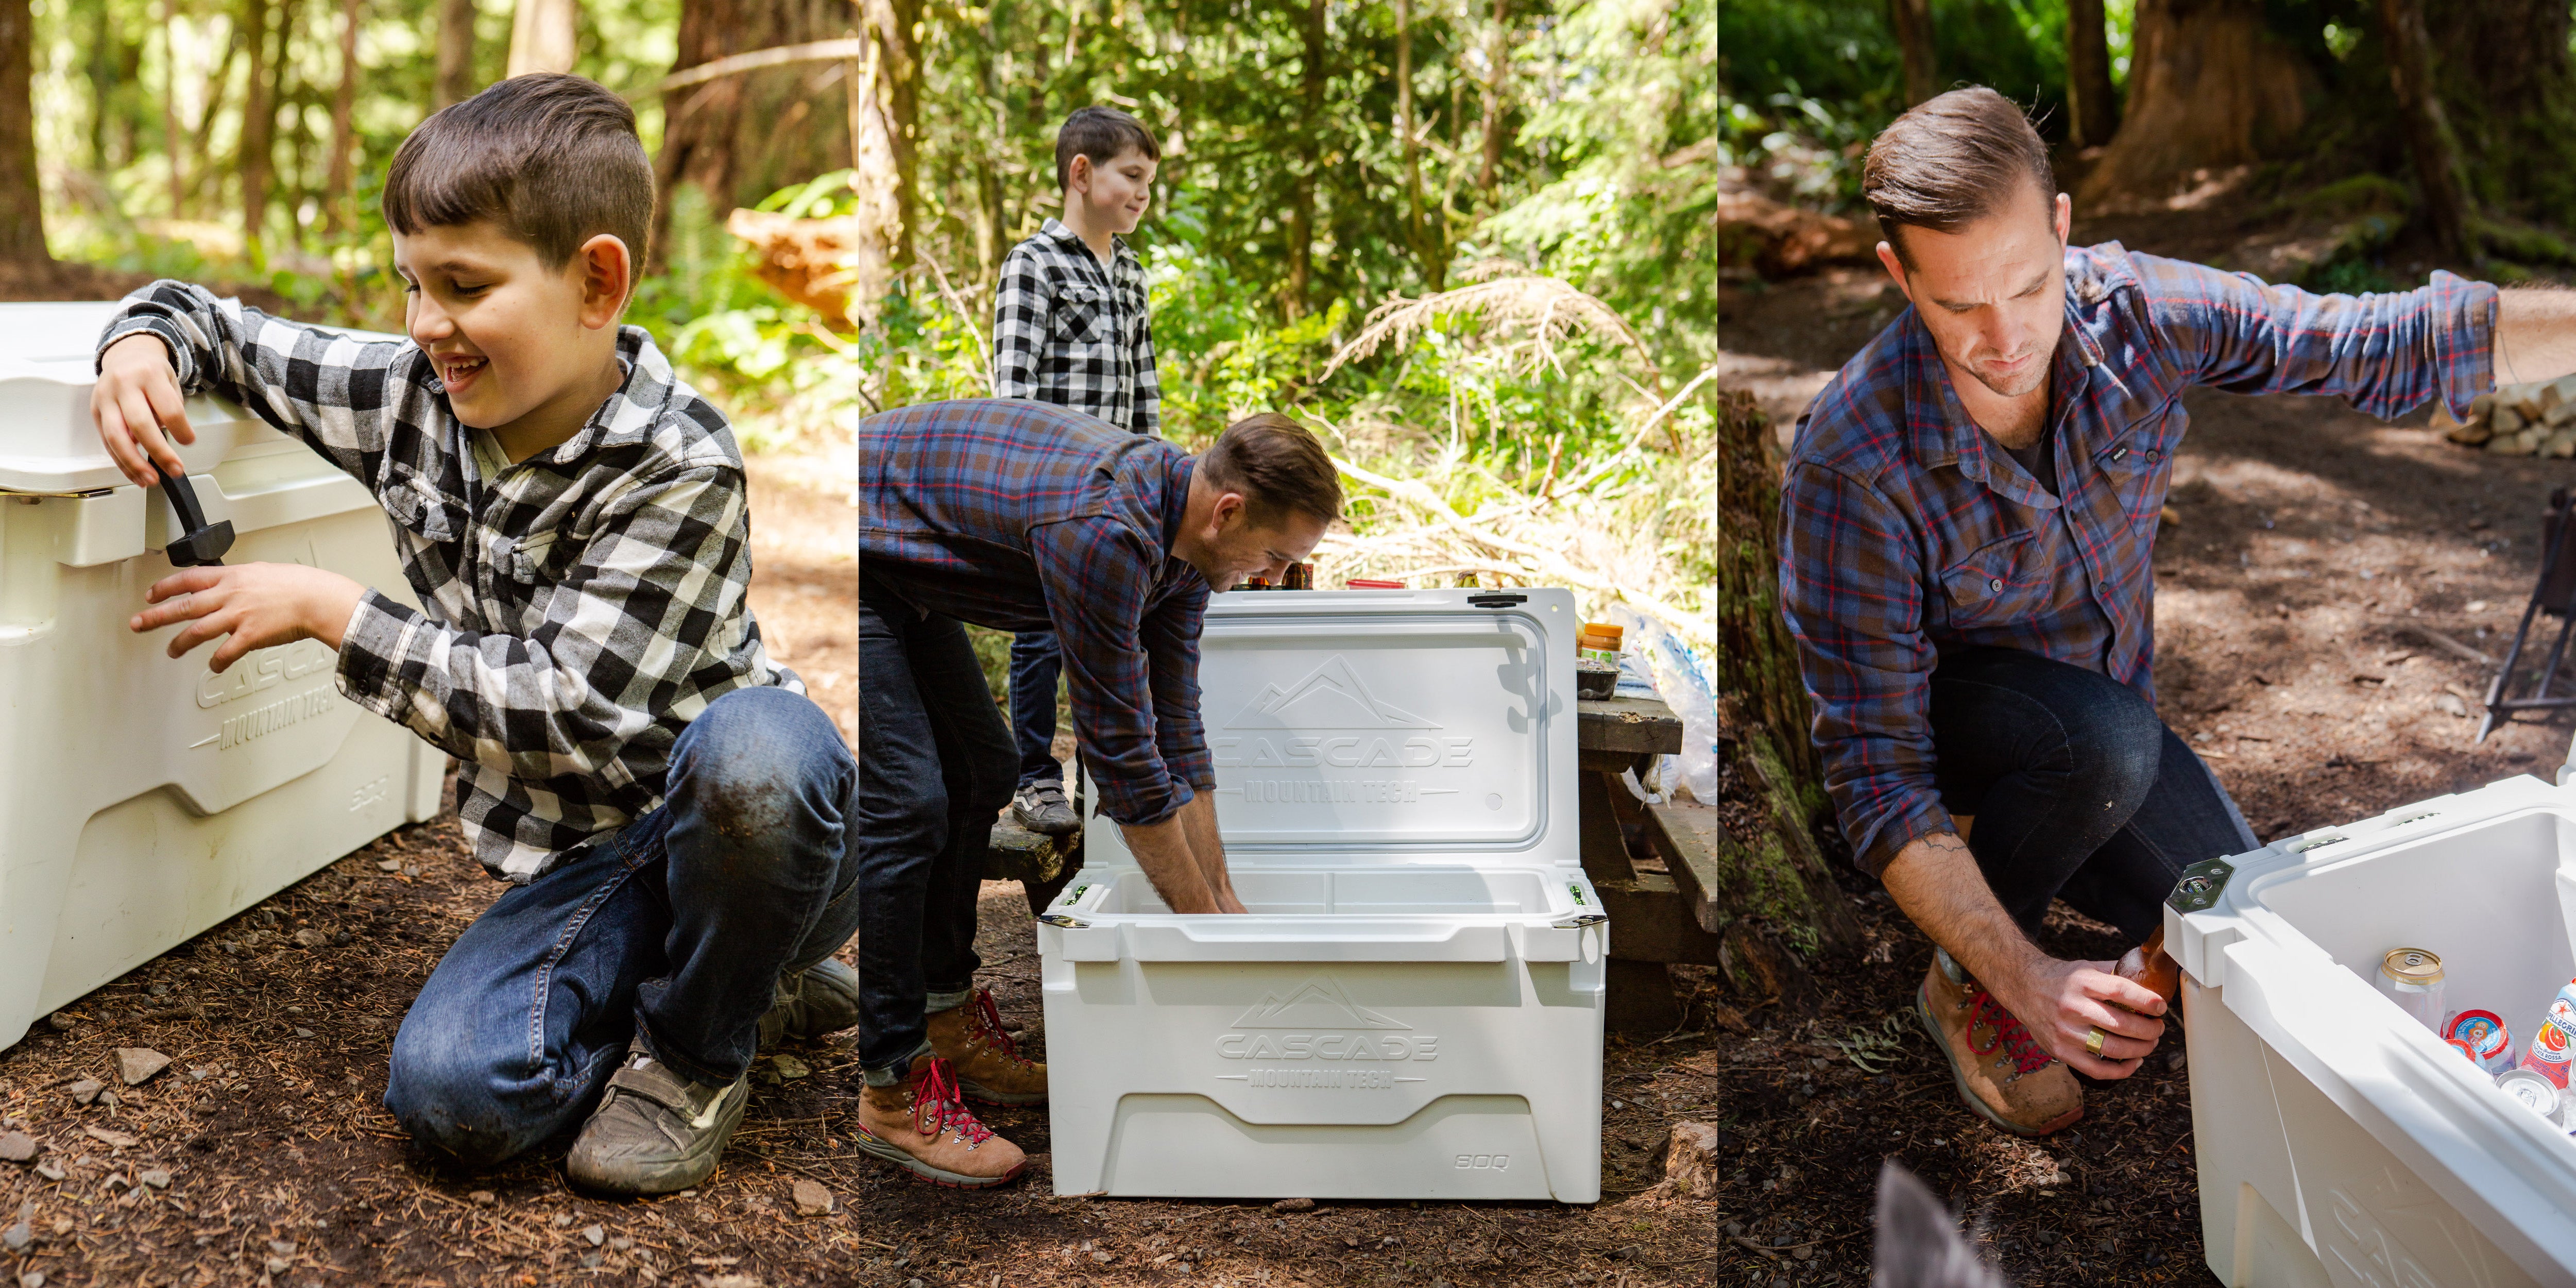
(822, 998)
(655, 1131)
(1042, 808)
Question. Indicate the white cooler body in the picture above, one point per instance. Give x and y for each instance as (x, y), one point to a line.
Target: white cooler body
(144, 799)
(2339, 1141)
(1412, 1009)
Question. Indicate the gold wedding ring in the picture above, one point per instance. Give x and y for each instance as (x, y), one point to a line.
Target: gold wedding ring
(2093, 1042)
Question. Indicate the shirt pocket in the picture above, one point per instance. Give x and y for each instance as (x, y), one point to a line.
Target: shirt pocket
(2138, 466)
(1083, 316)
(1996, 584)
(421, 508)
(538, 558)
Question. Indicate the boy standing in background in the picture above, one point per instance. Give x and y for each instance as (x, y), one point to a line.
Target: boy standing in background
(1069, 327)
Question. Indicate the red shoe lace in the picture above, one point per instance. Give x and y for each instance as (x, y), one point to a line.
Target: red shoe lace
(988, 1021)
(938, 1107)
(2008, 1033)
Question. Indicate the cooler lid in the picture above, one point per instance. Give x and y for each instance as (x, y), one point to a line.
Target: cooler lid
(1387, 726)
(47, 443)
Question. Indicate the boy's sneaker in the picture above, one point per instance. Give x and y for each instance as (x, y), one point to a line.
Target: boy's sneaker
(822, 998)
(655, 1131)
(1998, 1067)
(1042, 808)
(923, 1126)
(990, 1068)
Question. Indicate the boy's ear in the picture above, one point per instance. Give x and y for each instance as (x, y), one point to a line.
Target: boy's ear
(1077, 174)
(605, 268)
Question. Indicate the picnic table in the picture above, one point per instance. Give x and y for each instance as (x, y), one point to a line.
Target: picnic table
(1654, 865)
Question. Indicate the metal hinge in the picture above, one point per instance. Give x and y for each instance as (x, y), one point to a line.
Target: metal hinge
(2200, 886)
(1497, 599)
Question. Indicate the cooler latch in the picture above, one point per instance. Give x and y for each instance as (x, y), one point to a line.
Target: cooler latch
(1497, 599)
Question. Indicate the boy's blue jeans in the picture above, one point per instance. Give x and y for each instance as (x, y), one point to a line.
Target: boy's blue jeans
(676, 925)
(1035, 667)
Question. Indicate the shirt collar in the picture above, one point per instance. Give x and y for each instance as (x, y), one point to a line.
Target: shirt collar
(1072, 240)
(1176, 501)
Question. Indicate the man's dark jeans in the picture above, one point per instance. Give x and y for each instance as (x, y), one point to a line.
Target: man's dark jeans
(676, 925)
(2079, 791)
(935, 770)
(1035, 666)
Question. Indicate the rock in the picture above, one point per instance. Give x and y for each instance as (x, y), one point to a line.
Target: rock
(311, 938)
(790, 1067)
(137, 1064)
(50, 1170)
(563, 1219)
(17, 1147)
(1293, 1205)
(395, 865)
(108, 1100)
(111, 1139)
(32, 1279)
(597, 1234)
(87, 1089)
(811, 1198)
(484, 1197)
(303, 1032)
(590, 1261)
(158, 1178)
(2506, 421)
(278, 1265)
(1691, 1162)
(18, 1236)
(2450, 704)
(62, 1021)
(281, 1247)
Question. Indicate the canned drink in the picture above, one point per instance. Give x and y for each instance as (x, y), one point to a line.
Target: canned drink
(2412, 978)
(2484, 1032)
(2551, 1041)
(2531, 1091)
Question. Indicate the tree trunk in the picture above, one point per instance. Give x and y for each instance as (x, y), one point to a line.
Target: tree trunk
(173, 143)
(1771, 793)
(336, 214)
(258, 155)
(1301, 202)
(2209, 87)
(2428, 135)
(1420, 238)
(2501, 69)
(22, 207)
(2091, 111)
(455, 52)
(1913, 19)
(1498, 51)
(102, 84)
(542, 36)
(894, 171)
(739, 138)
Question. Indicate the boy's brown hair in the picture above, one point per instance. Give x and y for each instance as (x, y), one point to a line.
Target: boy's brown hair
(1100, 133)
(553, 159)
(1952, 160)
(1277, 465)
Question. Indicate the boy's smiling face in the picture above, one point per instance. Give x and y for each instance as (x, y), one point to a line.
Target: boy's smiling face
(1116, 191)
(526, 351)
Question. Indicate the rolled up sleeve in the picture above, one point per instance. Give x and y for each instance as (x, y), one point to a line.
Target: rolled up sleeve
(1099, 577)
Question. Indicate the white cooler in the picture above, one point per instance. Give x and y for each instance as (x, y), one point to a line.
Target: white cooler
(144, 799)
(1413, 1008)
(2339, 1141)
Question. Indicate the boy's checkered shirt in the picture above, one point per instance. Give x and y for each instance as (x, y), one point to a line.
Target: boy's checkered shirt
(1069, 332)
(583, 605)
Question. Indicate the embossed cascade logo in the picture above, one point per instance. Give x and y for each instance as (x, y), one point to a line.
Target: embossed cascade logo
(1322, 1040)
(1333, 699)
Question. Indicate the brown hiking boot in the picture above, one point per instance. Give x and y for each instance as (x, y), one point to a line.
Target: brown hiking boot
(990, 1068)
(1999, 1069)
(922, 1125)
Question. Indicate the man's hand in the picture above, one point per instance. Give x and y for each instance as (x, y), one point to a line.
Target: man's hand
(136, 396)
(252, 605)
(2062, 1002)
(1179, 873)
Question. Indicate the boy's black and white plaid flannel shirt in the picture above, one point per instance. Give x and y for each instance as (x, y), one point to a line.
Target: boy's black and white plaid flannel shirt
(583, 605)
(1068, 331)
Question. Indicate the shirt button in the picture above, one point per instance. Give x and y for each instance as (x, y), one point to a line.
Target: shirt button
(1996, 583)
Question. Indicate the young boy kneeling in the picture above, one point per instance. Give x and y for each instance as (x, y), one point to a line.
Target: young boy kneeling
(668, 802)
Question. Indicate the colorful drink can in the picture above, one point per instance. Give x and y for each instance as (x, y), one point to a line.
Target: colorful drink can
(2489, 1043)
(2412, 978)
(2552, 1040)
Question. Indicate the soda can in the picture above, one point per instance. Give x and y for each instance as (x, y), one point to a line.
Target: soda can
(2412, 978)
(2489, 1043)
(2531, 1091)
(2551, 1041)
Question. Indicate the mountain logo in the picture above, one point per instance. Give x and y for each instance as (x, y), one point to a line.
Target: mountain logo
(1331, 696)
(1319, 1003)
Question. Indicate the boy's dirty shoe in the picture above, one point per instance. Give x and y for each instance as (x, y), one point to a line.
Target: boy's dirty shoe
(922, 1125)
(1042, 808)
(990, 1068)
(1999, 1069)
(655, 1131)
(822, 998)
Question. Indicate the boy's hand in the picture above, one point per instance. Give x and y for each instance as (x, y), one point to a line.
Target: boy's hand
(253, 605)
(137, 394)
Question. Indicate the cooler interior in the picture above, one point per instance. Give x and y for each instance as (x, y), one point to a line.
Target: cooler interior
(1409, 890)
(2486, 897)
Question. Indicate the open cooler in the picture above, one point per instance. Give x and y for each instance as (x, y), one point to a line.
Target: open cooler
(142, 798)
(2339, 1141)
(1413, 1008)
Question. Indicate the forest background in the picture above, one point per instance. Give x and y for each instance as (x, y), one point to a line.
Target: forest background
(1470, 241)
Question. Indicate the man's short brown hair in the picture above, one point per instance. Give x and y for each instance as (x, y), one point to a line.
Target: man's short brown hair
(1277, 465)
(551, 158)
(1953, 160)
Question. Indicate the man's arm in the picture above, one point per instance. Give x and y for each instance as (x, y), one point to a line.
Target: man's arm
(2535, 335)
(1937, 883)
(1171, 862)
(1198, 823)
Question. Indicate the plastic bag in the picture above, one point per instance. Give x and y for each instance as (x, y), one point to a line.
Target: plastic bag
(1684, 681)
